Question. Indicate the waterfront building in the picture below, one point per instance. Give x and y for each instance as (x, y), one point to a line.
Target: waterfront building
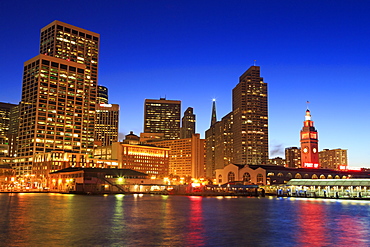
(59, 93)
(106, 124)
(186, 156)
(277, 161)
(7, 135)
(309, 143)
(335, 159)
(188, 124)
(293, 157)
(242, 135)
(162, 116)
(102, 95)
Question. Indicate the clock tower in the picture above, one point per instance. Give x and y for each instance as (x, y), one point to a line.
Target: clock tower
(309, 144)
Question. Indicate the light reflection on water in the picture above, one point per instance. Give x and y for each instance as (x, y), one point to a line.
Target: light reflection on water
(154, 220)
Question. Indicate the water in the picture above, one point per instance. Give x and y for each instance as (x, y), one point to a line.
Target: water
(154, 220)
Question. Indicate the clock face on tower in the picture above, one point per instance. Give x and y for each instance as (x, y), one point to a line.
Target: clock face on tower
(305, 150)
(314, 150)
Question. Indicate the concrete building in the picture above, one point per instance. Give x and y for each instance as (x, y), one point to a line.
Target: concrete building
(277, 161)
(162, 116)
(335, 159)
(293, 157)
(242, 135)
(188, 124)
(186, 156)
(106, 124)
(59, 93)
(7, 135)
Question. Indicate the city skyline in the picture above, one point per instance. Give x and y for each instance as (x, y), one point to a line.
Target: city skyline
(194, 51)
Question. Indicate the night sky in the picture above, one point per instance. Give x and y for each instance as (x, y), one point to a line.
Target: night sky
(195, 51)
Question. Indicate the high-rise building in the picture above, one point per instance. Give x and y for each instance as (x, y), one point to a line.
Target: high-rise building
(335, 159)
(162, 116)
(106, 124)
(241, 137)
(186, 156)
(309, 144)
(188, 124)
(293, 157)
(250, 119)
(59, 93)
(102, 95)
(5, 128)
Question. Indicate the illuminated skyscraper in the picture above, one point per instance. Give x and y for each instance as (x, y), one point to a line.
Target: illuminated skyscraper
(335, 159)
(5, 128)
(102, 95)
(59, 93)
(188, 124)
(250, 119)
(162, 116)
(106, 124)
(309, 144)
(293, 157)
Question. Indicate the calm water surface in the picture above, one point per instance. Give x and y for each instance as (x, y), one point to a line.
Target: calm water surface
(154, 220)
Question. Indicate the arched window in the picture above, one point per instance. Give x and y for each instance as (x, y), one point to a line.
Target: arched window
(322, 176)
(289, 175)
(344, 177)
(231, 177)
(337, 177)
(246, 177)
(280, 174)
(298, 175)
(259, 178)
(330, 177)
(306, 176)
(219, 179)
(314, 176)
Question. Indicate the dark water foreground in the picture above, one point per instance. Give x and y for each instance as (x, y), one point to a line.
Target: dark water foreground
(155, 220)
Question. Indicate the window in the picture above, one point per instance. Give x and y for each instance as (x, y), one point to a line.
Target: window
(231, 177)
(246, 177)
(259, 178)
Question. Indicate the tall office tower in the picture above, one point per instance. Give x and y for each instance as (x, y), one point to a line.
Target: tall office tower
(188, 124)
(309, 144)
(214, 115)
(162, 116)
(5, 126)
(106, 124)
(335, 159)
(293, 157)
(13, 130)
(102, 95)
(250, 123)
(59, 93)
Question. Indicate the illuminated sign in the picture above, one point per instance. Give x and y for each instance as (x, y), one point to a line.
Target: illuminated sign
(311, 165)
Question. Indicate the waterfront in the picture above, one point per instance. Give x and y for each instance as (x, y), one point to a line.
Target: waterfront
(47, 219)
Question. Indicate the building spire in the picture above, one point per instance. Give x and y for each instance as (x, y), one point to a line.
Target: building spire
(214, 117)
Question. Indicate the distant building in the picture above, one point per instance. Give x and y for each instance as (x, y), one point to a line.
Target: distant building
(162, 116)
(335, 159)
(309, 144)
(106, 124)
(186, 156)
(188, 124)
(102, 95)
(278, 161)
(6, 121)
(242, 135)
(293, 157)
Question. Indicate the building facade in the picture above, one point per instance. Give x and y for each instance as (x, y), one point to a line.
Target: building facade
(335, 159)
(59, 93)
(187, 124)
(106, 124)
(102, 95)
(186, 156)
(7, 135)
(162, 116)
(309, 143)
(293, 157)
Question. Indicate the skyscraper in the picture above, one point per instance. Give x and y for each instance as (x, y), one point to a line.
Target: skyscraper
(293, 157)
(59, 93)
(335, 159)
(102, 95)
(250, 119)
(188, 124)
(106, 124)
(309, 144)
(5, 128)
(162, 116)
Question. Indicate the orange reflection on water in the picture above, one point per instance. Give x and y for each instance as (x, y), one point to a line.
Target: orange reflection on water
(196, 227)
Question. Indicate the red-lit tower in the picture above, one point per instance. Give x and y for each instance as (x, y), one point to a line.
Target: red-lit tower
(309, 144)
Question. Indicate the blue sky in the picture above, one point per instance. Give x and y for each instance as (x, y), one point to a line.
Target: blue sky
(195, 51)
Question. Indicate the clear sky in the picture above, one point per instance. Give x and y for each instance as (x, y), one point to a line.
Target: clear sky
(195, 50)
